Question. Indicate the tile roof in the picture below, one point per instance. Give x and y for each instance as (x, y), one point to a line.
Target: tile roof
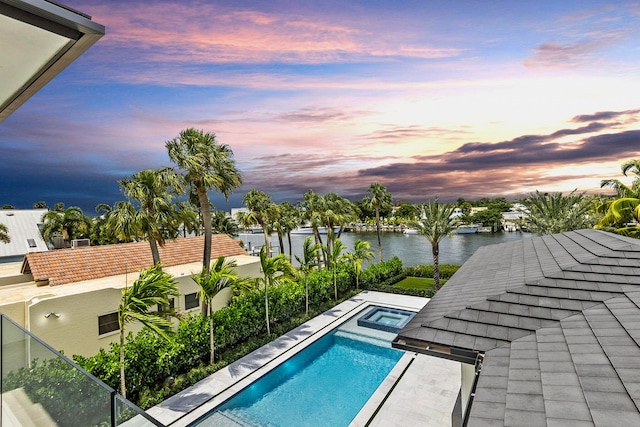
(558, 320)
(62, 266)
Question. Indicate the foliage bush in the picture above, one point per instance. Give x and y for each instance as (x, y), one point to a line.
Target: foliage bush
(68, 395)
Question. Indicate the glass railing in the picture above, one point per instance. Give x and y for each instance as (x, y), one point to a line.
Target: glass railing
(39, 386)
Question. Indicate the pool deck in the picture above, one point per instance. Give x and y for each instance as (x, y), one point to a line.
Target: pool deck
(420, 390)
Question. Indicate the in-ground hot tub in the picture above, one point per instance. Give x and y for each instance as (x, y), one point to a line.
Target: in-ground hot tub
(386, 319)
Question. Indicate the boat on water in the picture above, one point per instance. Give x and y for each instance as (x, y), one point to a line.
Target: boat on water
(410, 231)
(467, 229)
(309, 230)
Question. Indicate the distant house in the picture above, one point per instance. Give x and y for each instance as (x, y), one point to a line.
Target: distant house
(69, 297)
(547, 330)
(24, 231)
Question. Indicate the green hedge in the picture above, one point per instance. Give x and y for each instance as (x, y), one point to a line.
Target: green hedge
(426, 270)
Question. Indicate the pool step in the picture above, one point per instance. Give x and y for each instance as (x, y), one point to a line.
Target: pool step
(361, 337)
(229, 418)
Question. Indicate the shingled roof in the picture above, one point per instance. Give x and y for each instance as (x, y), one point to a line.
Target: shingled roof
(557, 320)
(62, 266)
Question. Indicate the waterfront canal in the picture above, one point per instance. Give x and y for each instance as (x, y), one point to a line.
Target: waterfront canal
(411, 249)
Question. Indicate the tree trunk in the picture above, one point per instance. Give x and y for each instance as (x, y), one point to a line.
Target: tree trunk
(306, 293)
(266, 240)
(154, 251)
(335, 285)
(123, 388)
(289, 240)
(435, 249)
(319, 241)
(378, 232)
(281, 242)
(266, 306)
(203, 199)
(211, 339)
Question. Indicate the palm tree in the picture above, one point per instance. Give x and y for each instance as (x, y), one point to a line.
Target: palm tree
(261, 211)
(546, 213)
(224, 224)
(309, 261)
(138, 303)
(71, 223)
(275, 270)
(622, 215)
(334, 256)
(436, 224)
(4, 234)
(121, 221)
(313, 207)
(361, 252)
(187, 218)
(221, 275)
(206, 165)
(623, 190)
(153, 190)
(380, 198)
(288, 219)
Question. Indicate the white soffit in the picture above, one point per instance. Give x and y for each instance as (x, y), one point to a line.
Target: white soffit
(30, 49)
(38, 39)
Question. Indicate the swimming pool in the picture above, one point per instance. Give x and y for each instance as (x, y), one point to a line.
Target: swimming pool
(326, 384)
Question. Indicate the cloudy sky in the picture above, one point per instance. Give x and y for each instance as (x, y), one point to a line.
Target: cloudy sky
(430, 98)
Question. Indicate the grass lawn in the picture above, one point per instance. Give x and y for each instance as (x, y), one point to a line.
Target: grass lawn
(417, 283)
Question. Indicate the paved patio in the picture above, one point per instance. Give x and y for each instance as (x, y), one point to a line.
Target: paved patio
(419, 390)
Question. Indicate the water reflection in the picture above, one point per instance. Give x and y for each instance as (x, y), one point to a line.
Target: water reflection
(411, 249)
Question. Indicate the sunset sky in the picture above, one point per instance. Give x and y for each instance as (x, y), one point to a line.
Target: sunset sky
(430, 98)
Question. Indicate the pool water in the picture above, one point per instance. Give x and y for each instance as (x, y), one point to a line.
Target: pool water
(386, 319)
(325, 384)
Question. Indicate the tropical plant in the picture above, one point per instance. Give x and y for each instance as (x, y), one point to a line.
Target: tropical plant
(72, 223)
(40, 205)
(361, 253)
(152, 189)
(4, 234)
(309, 261)
(221, 275)
(287, 220)
(151, 290)
(261, 211)
(623, 190)
(275, 270)
(334, 256)
(313, 206)
(221, 223)
(435, 224)
(622, 215)
(206, 165)
(121, 221)
(549, 213)
(380, 198)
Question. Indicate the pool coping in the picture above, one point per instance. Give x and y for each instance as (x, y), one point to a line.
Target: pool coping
(192, 403)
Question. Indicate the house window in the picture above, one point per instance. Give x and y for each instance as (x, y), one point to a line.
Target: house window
(108, 323)
(191, 301)
(171, 306)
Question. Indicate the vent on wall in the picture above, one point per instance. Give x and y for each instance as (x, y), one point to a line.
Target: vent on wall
(79, 243)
